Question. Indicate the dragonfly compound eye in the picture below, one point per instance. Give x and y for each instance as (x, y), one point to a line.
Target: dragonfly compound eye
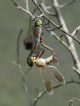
(38, 23)
(32, 59)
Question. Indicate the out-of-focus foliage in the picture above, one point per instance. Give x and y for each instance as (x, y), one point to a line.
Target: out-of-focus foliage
(11, 89)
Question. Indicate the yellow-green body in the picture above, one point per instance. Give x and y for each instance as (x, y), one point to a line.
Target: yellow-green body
(43, 62)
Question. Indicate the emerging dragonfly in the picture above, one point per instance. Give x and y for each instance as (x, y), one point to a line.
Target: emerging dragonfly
(44, 65)
(33, 41)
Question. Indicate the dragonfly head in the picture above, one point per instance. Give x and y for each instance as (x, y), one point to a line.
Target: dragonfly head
(38, 22)
(33, 59)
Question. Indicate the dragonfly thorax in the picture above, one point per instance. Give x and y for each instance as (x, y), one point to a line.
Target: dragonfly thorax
(40, 62)
(37, 31)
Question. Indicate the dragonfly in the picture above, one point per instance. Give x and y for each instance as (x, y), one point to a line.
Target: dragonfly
(44, 66)
(33, 41)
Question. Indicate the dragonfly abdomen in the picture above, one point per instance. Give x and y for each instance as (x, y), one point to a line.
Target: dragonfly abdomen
(49, 59)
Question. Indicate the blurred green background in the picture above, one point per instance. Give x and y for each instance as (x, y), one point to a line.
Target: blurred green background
(11, 88)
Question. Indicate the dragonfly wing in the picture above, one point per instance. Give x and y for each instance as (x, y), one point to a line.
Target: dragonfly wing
(52, 59)
(55, 61)
(57, 74)
(47, 81)
(29, 40)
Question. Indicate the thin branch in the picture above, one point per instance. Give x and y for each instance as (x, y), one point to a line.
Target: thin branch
(76, 39)
(60, 6)
(76, 70)
(59, 39)
(38, 97)
(75, 31)
(21, 71)
(27, 6)
(46, 9)
(55, 87)
(28, 12)
(72, 100)
(66, 4)
(22, 9)
(35, 2)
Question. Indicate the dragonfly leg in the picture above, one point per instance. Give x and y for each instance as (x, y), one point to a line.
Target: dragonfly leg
(28, 59)
(40, 54)
(43, 19)
(47, 25)
(54, 28)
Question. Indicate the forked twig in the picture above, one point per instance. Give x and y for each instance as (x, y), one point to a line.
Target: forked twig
(46, 9)
(60, 6)
(22, 9)
(55, 87)
(35, 2)
(28, 12)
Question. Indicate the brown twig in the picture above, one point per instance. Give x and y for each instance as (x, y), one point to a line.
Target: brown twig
(55, 87)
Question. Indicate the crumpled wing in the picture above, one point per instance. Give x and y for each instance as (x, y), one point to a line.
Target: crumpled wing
(57, 74)
(55, 61)
(52, 59)
(47, 81)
